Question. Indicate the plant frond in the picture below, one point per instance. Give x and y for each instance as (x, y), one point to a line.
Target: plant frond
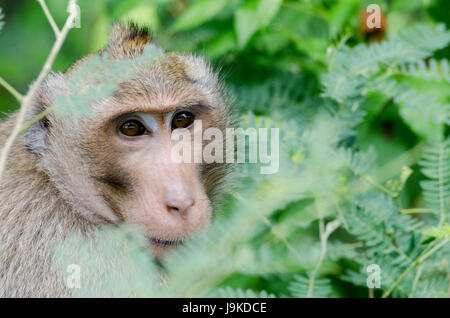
(435, 165)
(430, 70)
(300, 284)
(229, 292)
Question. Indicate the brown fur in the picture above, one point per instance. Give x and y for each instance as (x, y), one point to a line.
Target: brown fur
(74, 181)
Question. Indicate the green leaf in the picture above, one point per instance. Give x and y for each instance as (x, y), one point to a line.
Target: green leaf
(199, 12)
(267, 9)
(271, 41)
(435, 70)
(306, 29)
(435, 165)
(144, 14)
(229, 292)
(245, 24)
(438, 232)
(340, 14)
(220, 45)
(300, 285)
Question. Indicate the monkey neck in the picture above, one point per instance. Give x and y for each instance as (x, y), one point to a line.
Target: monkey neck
(33, 216)
(24, 183)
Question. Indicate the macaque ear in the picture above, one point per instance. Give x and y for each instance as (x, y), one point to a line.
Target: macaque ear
(35, 137)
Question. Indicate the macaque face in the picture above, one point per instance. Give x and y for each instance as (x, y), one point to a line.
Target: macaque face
(142, 183)
(115, 164)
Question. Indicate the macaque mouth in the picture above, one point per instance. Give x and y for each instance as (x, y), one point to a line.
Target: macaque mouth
(164, 243)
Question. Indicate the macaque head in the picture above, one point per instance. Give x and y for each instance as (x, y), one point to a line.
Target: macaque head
(116, 164)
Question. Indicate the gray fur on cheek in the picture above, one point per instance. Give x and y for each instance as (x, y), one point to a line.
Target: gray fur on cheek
(35, 137)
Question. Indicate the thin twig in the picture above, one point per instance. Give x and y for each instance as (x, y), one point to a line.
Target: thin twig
(416, 280)
(442, 186)
(324, 232)
(38, 117)
(49, 17)
(11, 89)
(323, 252)
(423, 257)
(282, 239)
(416, 211)
(26, 101)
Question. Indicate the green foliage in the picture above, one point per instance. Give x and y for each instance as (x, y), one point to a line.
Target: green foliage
(229, 292)
(433, 70)
(102, 275)
(436, 166)
(299, 287)
(353, 72)
(361, 62)
(200, 12)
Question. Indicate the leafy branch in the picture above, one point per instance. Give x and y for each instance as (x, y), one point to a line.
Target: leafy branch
(432, 248)
(28, 98)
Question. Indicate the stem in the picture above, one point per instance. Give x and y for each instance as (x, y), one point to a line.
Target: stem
(27, 100)
(323, 252)
(49, 17)
(40, 116)
(416, 280)
(417, 210)
(282, 239)
(377, 185)
(419, 261)
(341, 216)
(443, 216)
(11, 89)
(324, 232)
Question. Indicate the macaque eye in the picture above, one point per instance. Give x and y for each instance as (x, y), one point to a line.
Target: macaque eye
(132, 128)
(182, 120)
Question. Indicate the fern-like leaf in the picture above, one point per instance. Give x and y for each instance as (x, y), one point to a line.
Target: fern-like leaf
(416, 107)
(350, 67)
(229, 292)
(435, 70)
(359, 162)
(436, 166)
(375, 224)
(300, 285)
(431, 287)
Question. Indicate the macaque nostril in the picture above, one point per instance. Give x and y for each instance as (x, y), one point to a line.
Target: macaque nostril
(180, 207)
(173, 208)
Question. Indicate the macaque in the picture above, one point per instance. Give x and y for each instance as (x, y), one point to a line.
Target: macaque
(68, 174)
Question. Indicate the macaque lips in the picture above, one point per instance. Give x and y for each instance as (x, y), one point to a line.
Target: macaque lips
(159, 247)
(164, 243)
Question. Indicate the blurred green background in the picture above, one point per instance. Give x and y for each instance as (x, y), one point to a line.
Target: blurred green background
(251, 40)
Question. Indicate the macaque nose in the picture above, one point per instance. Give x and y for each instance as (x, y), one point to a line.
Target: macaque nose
(180, 206)
(179, 201)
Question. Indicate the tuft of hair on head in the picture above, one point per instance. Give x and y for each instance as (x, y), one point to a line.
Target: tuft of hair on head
(127, 40)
